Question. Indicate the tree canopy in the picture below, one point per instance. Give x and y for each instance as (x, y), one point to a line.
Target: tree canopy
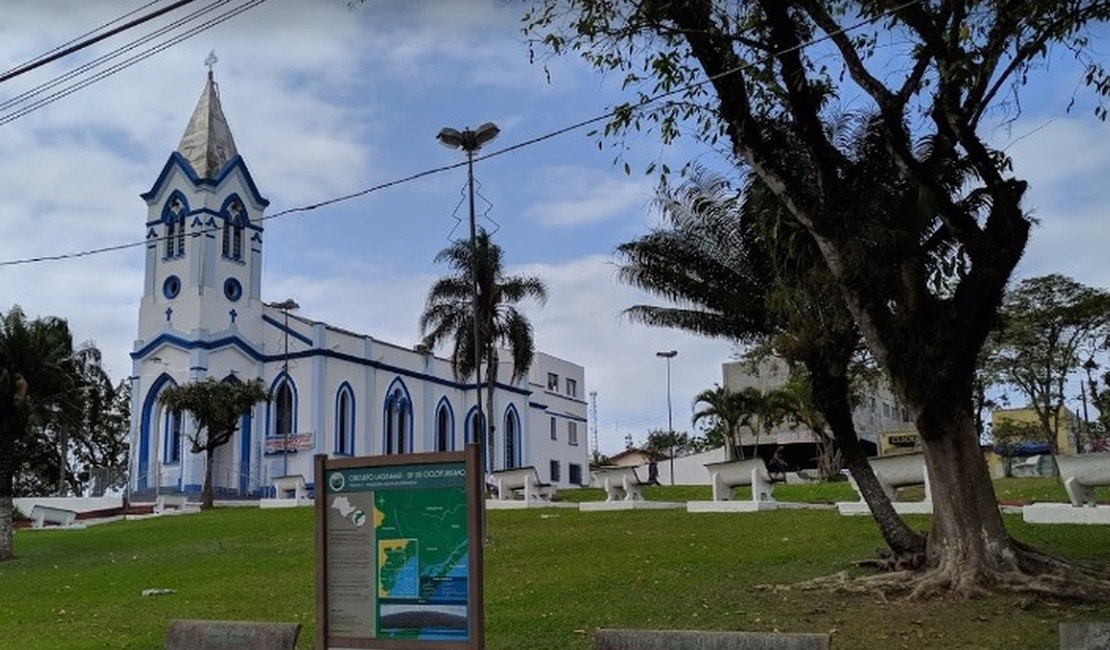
(918, 219)
(216, 408)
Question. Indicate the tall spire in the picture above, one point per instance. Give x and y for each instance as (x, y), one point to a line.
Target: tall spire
(207, 143)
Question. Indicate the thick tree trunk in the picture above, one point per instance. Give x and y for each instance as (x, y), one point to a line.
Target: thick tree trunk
(968, 544)
(6, 531)
(207, 500)
(7, 478)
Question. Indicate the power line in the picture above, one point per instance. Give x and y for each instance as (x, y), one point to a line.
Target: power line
(499, 152)
(81, 36)
(126, 63)
(77, 47)
(85, 67)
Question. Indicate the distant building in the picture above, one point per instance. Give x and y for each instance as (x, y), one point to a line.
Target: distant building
(878, 412)
(335, 392)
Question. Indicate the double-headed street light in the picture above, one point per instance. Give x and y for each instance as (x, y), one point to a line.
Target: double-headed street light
(668, 355)
(470, 142)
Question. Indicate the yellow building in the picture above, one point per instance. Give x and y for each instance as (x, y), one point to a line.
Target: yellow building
(1068, 425)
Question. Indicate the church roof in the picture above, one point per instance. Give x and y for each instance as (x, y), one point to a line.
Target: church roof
(207, 143)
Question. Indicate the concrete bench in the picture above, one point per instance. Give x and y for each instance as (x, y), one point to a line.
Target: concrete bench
(526, 481)
(619, 483)
(728, 475)
(1081, 474)
(699, 640)
(231, 635)
(897, 471)
(290, 487)
(42, 515)
(166, 502)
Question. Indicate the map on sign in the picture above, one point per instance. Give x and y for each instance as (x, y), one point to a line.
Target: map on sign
(399, 552)
(422, 562)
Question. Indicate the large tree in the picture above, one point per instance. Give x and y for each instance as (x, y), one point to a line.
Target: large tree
(77, 443)
(1046, 323)
(730, 271)
(922, 185)
(449, 316)
(216, 408)
(36, 370)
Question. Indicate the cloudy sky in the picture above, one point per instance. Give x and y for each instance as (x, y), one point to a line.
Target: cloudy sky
(326, 99)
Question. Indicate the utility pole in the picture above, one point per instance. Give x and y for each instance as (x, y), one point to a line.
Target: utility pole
(593, 425)
(668, 355)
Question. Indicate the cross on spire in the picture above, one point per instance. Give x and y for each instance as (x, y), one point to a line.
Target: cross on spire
(210, 61)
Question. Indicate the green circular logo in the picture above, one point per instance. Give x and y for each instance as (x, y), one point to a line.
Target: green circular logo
(337, 482)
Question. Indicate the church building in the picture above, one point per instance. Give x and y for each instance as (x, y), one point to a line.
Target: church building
(335, 392)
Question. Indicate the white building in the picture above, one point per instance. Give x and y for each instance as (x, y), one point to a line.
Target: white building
(878, 410)
(334, 392)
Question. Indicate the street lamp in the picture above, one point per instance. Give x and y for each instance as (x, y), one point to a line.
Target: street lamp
(285, 306)
(470, 142)
(668, 355)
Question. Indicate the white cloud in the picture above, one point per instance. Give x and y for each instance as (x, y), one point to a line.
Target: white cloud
(575, 196)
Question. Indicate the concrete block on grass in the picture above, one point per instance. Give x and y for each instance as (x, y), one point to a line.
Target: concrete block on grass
(1084, 636)
(231, 635)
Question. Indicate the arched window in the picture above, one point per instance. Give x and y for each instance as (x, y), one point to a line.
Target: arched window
(174, 421)
(398, 420)
(445, 427)
(345, 421)
(283, 408)
(475, 426)
(512, 438)
(234, 218)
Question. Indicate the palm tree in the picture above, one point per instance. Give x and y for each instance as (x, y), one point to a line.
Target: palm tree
(36, 371)
(733, 266)
(766, 409)
(728, 409)
(449, 315)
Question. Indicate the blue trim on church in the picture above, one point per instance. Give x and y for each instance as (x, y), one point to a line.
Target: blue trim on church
(250, 351)
(288, 330)
(176, 159)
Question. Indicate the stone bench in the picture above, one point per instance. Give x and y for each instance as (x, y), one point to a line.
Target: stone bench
(727, 475)
(290, 487)
(526, 481)
(897, 471)
(42, 515)
(699, 640)
(619, 483)
(1081, 474)
(231, 635)
(166, 502)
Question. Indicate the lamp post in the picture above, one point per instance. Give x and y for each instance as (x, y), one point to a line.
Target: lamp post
(470, 142)
(668, 355)
(285, 306)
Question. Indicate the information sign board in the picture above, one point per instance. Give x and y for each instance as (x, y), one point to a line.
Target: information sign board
(399, 552)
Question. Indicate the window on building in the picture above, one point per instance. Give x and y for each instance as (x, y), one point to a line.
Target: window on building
(572, 433)
(233, 241)
(345, 422)
(574, 473)
(398, 421)
(512, 431)
(556, 475)
(283, 409)
(552, 381)
(443, 428)
(572, 387)
(174, 421)
(554, 429)
(905, 415)
(175, 237)
(886, 410)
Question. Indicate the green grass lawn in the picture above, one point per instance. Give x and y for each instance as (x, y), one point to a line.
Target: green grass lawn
(552, 577)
